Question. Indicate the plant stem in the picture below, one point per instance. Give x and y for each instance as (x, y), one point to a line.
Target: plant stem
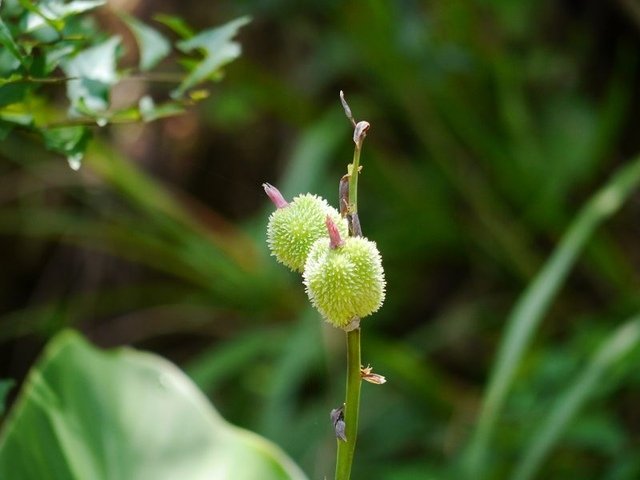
(157, 77)
(346, 449)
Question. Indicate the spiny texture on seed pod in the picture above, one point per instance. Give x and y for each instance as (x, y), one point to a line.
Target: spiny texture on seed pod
(344, 279)
(295, 226)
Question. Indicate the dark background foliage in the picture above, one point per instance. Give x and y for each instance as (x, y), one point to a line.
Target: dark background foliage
(492, 123)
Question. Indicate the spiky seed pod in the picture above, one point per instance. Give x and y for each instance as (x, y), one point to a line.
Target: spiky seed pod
(344, 279)
(295, 226)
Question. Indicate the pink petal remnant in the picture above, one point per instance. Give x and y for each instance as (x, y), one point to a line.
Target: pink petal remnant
(334, 233)
(274, 194)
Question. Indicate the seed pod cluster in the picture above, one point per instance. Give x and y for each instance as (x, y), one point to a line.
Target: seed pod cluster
(343, 276)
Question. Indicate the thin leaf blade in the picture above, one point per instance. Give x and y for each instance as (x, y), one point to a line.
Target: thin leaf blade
(536, 300)
(615, 347)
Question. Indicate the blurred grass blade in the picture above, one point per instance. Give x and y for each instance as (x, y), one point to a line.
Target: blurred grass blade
(299, 354)
(119, 239)
(313, 153)
(5, 387)
(621, 342)
(88, 414)
(533, 304)
(141, 298)
(162, 206)
(193, 263)
(226, 360)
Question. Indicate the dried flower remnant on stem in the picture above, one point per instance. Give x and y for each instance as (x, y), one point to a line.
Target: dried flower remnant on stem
(347, 109)
(367, 374)
(360, 133)
(334, 234)
(274, 194)
(337, 419)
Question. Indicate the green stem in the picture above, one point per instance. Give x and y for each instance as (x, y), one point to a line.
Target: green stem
(156, 77)
(346, 449)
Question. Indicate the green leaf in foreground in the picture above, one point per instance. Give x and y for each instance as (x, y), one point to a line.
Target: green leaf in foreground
(152, 44)
(85, 413)
(218, 49)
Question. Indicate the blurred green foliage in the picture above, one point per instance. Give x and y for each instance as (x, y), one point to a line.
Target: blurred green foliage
(52, 42)
(493, 123)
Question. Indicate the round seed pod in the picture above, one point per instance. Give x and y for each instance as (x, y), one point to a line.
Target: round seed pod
(293, 229)
(344, 279)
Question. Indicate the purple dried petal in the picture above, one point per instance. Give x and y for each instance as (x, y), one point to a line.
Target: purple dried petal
(334, 233)
(274, 194)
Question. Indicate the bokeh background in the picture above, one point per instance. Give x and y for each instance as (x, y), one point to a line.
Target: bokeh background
(492, 123)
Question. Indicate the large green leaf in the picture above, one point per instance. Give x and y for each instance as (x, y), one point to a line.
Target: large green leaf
(123, 414)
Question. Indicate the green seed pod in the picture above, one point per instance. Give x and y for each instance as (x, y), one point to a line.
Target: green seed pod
(295, 226)
(344, 279)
